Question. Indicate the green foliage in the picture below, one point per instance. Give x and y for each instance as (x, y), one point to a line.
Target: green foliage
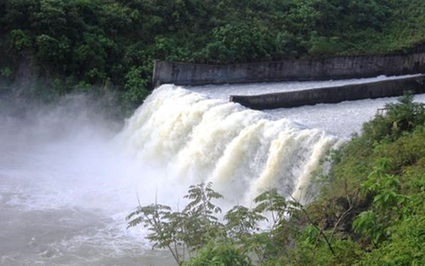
(19, 40)
(201, 220)
(272, 202)
(94, 41)
(198, 232)
(381, 173)
(387, 222)
(367, 225)
(220, 254)
(405, 247)
(242, 222)
(181, 232)
(6, 72)
(400, 117)
(238, 42)
(388, 136)
(136, 87)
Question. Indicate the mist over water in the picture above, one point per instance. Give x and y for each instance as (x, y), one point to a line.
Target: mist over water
(69, 175)
(65, 189)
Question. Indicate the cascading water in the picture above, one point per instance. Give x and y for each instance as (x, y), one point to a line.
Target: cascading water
(68, 179)
(242, 152)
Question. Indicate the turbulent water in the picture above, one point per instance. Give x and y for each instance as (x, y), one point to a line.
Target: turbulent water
(241, 151)
(65, 189)
(68, 177)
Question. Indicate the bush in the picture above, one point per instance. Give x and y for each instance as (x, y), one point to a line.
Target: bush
(400, 117)
(220, 254)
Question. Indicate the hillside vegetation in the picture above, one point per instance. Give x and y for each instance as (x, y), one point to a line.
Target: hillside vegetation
(108, 47)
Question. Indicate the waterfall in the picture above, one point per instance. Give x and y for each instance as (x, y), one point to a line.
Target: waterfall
(243, 152)
(68, 179)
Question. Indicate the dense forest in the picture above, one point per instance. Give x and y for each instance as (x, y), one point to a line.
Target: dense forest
(107, 47)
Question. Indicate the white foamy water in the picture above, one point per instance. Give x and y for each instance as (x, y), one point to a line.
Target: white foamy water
(199, 139)
(65, 189)
(341, 119)
(223, 91)
(68, 178)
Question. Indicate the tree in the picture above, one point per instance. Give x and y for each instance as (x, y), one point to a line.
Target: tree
(184, 232)
(196, 235)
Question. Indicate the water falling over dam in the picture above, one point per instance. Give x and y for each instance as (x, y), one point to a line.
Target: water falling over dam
(69, 178)
(242, 151)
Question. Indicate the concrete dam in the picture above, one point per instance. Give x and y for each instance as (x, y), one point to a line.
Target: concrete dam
(408, 66)
(372, 90)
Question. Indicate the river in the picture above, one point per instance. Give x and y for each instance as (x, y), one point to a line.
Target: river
(68, 176)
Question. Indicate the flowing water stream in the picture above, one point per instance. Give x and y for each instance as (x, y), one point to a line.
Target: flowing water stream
(68, 177)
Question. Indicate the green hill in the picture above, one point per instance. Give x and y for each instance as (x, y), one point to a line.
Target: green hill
(102, 45)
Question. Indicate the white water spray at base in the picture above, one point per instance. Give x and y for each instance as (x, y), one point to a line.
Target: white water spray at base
(66, 188)
(241, 151)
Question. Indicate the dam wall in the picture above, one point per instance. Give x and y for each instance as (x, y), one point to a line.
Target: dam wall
(303, 69)
(372, 90)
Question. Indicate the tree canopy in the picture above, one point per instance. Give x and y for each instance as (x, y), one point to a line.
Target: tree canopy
(81, 43)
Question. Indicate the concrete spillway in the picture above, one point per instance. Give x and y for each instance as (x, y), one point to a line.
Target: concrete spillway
(334, 94)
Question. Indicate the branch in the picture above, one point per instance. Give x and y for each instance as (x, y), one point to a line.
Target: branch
(341, 217)
(318, 228)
